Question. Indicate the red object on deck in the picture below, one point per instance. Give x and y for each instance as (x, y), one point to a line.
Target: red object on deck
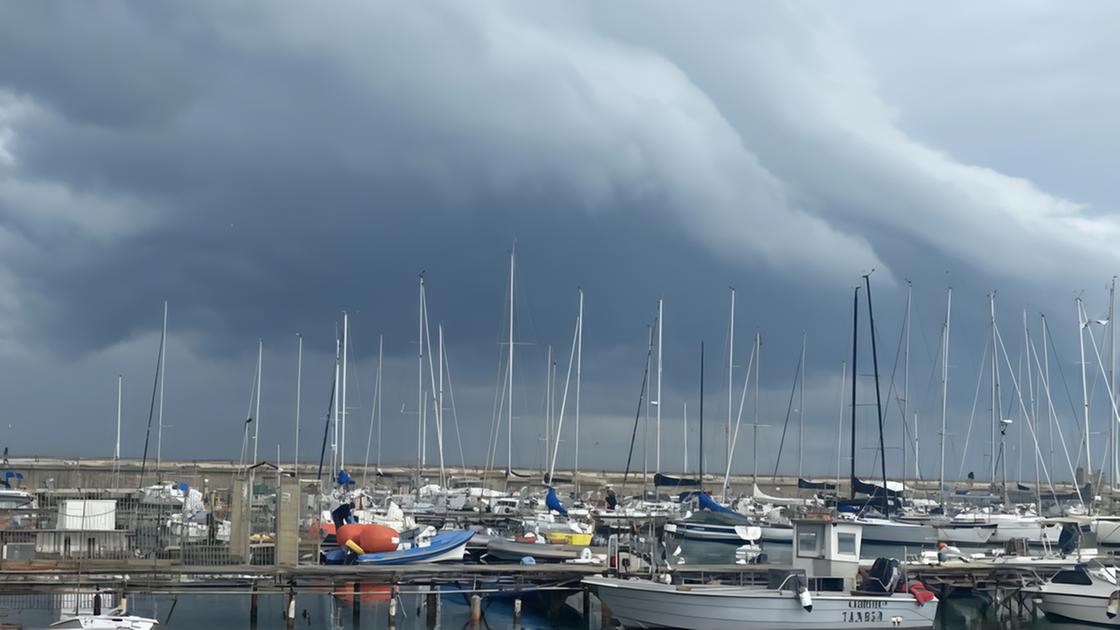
(371, 538)
(921, 595)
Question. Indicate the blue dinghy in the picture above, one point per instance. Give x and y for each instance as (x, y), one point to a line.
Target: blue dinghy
(445, 546)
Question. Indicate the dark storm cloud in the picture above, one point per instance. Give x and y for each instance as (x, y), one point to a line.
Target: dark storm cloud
(263, 167)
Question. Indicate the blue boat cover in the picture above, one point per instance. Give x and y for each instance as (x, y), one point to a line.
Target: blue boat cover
(344, 478)
(553, 502)
(708, 503)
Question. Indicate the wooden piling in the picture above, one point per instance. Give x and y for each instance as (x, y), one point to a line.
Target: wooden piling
(432, 606)
(253, 605)
(476, 609)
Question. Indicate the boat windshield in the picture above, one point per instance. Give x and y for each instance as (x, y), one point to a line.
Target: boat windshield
(1101, 572)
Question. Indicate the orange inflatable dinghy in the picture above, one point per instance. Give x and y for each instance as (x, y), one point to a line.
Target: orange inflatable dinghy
(371, 538)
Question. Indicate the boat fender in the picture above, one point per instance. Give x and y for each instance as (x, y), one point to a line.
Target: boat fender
(1113, 605)
(585, 554)
(353, 546)
(805, 598)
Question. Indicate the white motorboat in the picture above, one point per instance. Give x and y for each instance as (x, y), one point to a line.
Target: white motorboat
(111, 621)
(817, 594)
(646, 604)
(1087, 592)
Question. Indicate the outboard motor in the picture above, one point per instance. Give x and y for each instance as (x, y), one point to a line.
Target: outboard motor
(883, 576)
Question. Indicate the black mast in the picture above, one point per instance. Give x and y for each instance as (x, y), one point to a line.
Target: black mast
(855, 347)
(878, 400)
(701, 416)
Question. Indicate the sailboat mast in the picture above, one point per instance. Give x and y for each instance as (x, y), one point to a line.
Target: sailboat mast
(906, 383)
(579, 379)
(1081, 324)
(548, 409)
(257, 410)
(380, 395)
(701, 478)
(162, 379)
(334, 400)
(995, 383)
(945, 385)
(420, 385)
(342, 409)
(509, 433)
(878, 399)
(657, 460)
(730, 372)
(757, 391)
(855, 347)
(1112, 433)
(299, 394)
(801, 411)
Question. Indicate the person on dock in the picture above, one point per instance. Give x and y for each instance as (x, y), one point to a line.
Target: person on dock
(612, 500)
(946, 553)
(343, 514)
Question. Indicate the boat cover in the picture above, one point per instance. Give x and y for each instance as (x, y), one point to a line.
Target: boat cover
(674, 482)
(874, 489)
(805, 484)
(708, 503)
(553, 502)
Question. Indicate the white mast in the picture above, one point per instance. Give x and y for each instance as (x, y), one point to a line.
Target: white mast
(162, 378)
(757, 376)
(906, 388)
(342, 407)
(420, 387)
(801, 411)
(730, 370)
(257, 411)
(840, 429)
(299, 392)
(995, 386)
(579, 378)
(334, 419)
(1081, 324)
(657, 461)
(944, 386)
(1112, 433)
(509, 432)
(645, 426)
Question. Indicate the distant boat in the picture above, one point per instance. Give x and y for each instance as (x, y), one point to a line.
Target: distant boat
(513, 551)
(715, 526)
(444, 547)
(110, 621)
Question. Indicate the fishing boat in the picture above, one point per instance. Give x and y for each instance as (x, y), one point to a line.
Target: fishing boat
(817, 594)
(444, 547)
(1087, 592)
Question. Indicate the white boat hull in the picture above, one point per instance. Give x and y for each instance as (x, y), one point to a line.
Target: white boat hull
(895, 533)
(976, 535)
(105, 622)
(1078, 607)
(777, 534)
(645, 604)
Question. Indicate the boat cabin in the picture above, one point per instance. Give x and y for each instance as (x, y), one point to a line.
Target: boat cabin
(827, 548)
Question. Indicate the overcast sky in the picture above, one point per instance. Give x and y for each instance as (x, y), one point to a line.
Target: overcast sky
(262, 167)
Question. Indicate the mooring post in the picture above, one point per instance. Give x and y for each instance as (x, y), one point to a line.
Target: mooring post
(433, 608)
(476, 609)
(356, 612)
(605, 618)
(517, 610)
(393, 605)
(586, 608)
(253, 605)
